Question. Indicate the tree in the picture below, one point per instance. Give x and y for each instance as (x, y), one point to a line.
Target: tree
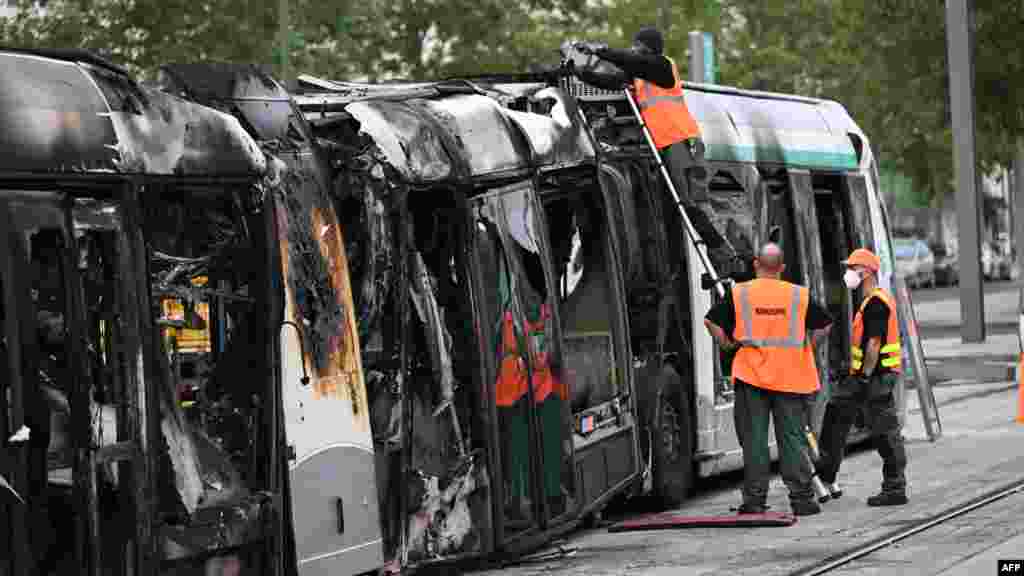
(375, 39)
(142, 34)
(886, 63)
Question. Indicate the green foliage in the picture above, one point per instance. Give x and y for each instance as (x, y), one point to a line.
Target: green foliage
(884, 60)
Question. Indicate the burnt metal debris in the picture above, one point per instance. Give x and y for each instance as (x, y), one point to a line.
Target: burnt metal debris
(303, 317)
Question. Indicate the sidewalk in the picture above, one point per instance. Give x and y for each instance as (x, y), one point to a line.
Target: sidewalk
(994, 346)
(950, 360)
(1000, 307)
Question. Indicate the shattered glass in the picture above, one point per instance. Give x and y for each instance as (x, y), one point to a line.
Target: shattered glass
(731, 227)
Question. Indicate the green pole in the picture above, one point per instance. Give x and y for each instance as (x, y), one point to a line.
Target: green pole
(283, 41)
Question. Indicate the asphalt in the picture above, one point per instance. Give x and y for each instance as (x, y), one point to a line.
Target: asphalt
(976, 391)
(978, 450)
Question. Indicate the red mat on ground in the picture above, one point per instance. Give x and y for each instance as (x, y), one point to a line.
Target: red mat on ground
(666, 521)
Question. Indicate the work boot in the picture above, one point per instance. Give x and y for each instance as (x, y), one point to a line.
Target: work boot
(888, 499)
(834, 491)
(805, 508)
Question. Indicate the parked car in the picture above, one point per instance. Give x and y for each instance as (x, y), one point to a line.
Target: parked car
(947, 266)
(914, 261)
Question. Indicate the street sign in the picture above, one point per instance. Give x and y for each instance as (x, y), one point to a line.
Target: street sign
(710, 71)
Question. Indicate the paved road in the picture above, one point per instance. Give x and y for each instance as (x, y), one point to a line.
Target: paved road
(968, 545)
(979, 451)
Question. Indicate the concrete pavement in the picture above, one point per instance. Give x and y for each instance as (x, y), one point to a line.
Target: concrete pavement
(984, 562)
(948, 358)
(980, 449)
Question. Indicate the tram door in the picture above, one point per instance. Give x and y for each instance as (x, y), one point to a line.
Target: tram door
(14, 542)
(522, 357)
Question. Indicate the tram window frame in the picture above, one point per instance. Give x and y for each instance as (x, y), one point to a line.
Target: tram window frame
(235, 409)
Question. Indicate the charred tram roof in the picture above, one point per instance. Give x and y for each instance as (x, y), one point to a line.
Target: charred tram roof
(72, 116)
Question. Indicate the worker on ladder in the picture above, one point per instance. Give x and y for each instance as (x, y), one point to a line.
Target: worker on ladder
(656, 85)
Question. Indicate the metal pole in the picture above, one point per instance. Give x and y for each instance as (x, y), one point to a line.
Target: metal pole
(961, 87)
(696, 71)
(690, 230)
(282, 38)
(1018, 205)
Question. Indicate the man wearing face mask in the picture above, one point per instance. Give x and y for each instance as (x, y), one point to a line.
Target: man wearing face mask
(657, 88)
(874, 370)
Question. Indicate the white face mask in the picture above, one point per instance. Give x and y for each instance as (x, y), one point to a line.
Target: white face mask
(852, 279)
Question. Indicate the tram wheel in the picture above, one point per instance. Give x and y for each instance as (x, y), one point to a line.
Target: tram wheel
(672, 443)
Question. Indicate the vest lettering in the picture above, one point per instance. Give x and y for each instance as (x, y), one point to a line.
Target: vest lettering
(771, 318)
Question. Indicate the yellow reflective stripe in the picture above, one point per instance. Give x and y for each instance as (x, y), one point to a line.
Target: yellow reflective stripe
(856, 352)
(890, 362)
(890, 348)
(856, 364)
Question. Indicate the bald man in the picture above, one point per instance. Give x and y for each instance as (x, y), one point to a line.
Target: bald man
(772, 326)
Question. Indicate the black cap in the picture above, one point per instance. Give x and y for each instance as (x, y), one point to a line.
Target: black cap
(650, 37)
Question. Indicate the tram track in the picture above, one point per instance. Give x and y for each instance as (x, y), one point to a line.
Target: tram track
(887, 540)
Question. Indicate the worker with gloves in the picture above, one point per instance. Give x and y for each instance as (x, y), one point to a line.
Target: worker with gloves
(875, 357)
(656, 86)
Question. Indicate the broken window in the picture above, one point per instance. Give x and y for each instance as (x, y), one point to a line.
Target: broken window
(47, 350)
(578, 235)
(447, 503)
(208, 279)
(423, 402)
(834, 226)
(530, 387)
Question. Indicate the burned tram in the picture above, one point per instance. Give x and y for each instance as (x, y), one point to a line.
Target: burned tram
(531, 308)
(490, 310)
(177, 329)
(374, 326)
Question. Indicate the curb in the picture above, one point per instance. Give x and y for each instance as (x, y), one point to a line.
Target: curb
(970, 396)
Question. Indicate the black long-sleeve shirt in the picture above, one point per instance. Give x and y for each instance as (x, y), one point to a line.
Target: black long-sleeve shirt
(654, 68)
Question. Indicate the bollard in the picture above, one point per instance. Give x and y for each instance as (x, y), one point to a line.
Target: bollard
(1020, 357)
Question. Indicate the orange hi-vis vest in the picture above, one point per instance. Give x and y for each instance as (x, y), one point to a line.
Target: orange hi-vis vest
(890, 355)
(665, 111)
(771, 318)
(512, 373)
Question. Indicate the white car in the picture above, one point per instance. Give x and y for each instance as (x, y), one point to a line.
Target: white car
(914, 261)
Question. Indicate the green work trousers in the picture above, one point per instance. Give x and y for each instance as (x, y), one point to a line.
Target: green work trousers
(752, 410)
(883, 419)
(515, 435)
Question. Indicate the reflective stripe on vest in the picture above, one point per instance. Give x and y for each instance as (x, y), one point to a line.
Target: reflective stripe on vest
(890, 354)
(665, 111)
(791, 341)
(512, 375)
(771, 319)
